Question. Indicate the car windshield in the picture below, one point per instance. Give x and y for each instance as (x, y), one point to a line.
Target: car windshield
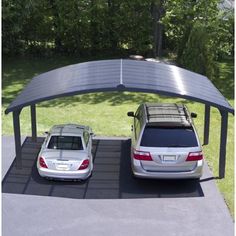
(169, 137)
(65, 143)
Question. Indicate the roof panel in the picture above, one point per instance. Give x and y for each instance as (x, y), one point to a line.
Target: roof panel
(172, 80)
(116, 75)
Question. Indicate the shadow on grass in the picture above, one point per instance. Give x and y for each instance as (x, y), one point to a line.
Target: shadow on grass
(111, 179)
(112, 98)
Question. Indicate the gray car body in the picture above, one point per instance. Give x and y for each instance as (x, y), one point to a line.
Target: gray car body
(158, 169)
(64, 164)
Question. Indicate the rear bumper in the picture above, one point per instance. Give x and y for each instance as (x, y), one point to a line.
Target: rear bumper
(139, 172)
(55, 174)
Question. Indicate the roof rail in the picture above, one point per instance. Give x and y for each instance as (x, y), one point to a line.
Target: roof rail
(181, 109)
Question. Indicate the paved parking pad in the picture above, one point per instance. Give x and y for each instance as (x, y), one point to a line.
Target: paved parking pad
(111, 177)
(111, 202)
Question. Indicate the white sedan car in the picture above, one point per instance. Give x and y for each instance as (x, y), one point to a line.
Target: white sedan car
(66, 153)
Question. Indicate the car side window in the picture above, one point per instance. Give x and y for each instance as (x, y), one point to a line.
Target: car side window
(86, 138)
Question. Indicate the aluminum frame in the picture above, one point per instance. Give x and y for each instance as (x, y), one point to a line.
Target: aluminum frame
(122, 75)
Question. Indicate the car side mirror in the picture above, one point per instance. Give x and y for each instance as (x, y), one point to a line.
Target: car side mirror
(46, 132)
(130, 113)
(92, 134)
(193, 115)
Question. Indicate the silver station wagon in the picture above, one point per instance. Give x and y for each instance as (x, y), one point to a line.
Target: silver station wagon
(66, 153)
(165, 143)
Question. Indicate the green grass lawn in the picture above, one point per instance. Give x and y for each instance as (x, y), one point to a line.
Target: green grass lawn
(106, 112)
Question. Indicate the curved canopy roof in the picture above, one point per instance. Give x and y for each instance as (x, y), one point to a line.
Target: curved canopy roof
(120, 75)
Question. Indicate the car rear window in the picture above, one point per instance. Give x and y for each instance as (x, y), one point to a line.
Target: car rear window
(169, 137)
(65, 143)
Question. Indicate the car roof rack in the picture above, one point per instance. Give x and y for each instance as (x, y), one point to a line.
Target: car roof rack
(167, 114)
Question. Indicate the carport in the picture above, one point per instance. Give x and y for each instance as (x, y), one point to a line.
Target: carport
(122, 75)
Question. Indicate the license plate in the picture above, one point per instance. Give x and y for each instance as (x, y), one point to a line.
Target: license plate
(169, 158)
(62, 167)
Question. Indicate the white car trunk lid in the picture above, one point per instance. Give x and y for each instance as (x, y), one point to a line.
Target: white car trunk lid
(168, 160)
(63, 159)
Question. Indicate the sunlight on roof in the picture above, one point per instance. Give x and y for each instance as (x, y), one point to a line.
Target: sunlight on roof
(178, 80)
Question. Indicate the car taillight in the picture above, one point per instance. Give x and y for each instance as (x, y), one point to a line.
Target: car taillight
(84, 164)
(195, 156)
(42, 163)
(142, 156)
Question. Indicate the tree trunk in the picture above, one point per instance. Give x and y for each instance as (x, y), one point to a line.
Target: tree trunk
(159, 39)
(94, 28)
(111, 11)
(157, 13)
(57, 39)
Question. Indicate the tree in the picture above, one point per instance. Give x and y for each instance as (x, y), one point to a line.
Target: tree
(157, 9)
(198, 54)
(89, 27)
(200, 32)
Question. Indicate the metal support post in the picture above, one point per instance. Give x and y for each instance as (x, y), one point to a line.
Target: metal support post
(17, 136)
(33, 123)
(206, 125)
(223, 142)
